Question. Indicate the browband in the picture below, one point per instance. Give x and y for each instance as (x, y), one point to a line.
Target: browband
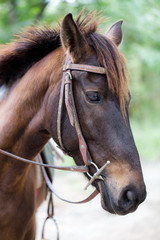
(83, 67)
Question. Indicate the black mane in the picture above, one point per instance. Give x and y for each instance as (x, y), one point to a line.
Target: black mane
(29, 47)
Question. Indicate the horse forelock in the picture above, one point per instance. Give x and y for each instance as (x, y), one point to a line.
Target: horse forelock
(113, 61)
(108, 56)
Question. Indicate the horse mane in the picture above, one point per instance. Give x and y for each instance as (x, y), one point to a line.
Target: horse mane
(28, 48)
(35, 43)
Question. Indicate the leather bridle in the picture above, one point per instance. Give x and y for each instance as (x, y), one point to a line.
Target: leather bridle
(66, 95)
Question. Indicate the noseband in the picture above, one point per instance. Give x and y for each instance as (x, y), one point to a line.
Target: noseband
(66, 94)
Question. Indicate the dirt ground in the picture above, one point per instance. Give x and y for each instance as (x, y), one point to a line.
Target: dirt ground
(90, 222)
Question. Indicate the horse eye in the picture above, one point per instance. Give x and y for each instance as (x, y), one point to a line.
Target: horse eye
(93, 97)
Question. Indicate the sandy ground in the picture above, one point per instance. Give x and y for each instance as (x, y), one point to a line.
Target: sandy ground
(90, 222)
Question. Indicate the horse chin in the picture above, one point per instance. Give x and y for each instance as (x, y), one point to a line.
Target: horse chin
(105, 198)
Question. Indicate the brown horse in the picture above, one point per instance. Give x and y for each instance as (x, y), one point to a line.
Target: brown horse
(30, 80)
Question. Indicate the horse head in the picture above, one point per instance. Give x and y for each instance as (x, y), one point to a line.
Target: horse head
(102, 103)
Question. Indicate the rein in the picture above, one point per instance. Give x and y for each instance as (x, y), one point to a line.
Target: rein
(66, 94)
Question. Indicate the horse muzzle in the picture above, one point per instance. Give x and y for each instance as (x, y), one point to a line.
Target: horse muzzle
(123, 201)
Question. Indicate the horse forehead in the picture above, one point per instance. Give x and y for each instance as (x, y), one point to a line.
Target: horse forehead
(92, 81)
(3, 92)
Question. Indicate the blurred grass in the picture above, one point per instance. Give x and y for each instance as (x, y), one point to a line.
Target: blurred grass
(147, 139)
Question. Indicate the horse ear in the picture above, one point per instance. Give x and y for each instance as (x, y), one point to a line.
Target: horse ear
(71, 38)
(115, 33)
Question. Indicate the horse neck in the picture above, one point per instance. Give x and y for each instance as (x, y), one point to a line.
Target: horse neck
(22, 123)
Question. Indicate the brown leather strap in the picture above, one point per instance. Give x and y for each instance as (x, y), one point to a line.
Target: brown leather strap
(59, 114)
(72, 113)
(68, 97)
(67, 94)
(82, 169)
(83, 67)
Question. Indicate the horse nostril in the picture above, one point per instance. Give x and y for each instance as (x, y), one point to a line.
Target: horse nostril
(128, 200)
(130, 195)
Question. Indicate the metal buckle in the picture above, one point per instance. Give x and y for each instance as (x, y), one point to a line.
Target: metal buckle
(68, 73)
(96, 175)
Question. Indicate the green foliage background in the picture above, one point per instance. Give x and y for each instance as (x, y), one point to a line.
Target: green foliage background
(141, 47)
